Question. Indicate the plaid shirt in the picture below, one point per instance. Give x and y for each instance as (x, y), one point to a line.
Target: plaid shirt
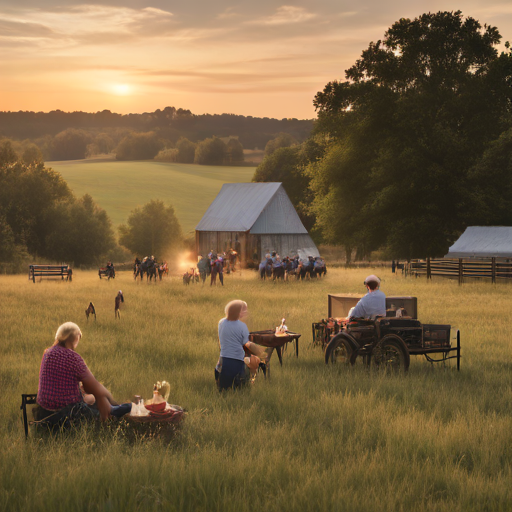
(62, 370)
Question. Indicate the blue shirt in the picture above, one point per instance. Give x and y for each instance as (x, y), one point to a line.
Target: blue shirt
(233, 335)
(371, 305)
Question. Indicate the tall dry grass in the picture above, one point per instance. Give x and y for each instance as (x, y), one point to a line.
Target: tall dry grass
(312, 438)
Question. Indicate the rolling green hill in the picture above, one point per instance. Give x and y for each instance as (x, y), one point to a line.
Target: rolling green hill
(119, 187)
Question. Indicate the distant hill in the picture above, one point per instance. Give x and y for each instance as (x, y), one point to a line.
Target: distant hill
(170, 123)
(119, 187)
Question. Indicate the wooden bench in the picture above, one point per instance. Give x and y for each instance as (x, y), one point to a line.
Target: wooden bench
(62, 271)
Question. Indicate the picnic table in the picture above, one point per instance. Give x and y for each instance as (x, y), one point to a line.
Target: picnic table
(269, 339)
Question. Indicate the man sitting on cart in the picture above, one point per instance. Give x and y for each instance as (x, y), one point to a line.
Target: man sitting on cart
(373, 304)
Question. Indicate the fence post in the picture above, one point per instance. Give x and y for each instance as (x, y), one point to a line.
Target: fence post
(429, 270)
(461, 271)
(493, 270)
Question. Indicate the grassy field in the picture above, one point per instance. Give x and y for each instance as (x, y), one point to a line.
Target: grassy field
(314, 437)
(119, 187)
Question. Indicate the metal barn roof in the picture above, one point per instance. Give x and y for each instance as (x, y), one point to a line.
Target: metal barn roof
(483, 242)
(262, 208)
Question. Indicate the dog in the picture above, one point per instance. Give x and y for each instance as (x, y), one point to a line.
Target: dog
(90, 311)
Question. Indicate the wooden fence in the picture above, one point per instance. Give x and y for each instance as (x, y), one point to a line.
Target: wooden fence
(486, 268)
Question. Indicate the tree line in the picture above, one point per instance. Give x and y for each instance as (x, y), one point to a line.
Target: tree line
(413, 147)
(102, 131)
(41, 219)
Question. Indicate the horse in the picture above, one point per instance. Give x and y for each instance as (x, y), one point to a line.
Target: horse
(319, 267)
(162, 269)
(278, 271)
(305, 269)
(265, 268)
(90, 311)
(148, 267)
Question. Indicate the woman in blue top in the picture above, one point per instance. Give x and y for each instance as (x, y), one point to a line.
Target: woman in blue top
(233, 339)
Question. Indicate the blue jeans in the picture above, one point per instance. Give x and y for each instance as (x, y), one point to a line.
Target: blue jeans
(120, 410)
(232, 373)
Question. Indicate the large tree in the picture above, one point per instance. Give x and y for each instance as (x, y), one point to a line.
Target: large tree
(416, 114)
(40, 216)
(84, 235)
(151, 230)
(210, 152)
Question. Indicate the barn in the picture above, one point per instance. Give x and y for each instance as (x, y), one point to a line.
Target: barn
(253, 219)
(483, 242)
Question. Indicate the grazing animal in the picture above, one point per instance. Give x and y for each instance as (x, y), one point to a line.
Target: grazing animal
(265, 268)
(163, 269)
(119, 299)
(90, 311)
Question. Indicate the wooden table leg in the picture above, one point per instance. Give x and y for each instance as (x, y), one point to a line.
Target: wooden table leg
(279, 354)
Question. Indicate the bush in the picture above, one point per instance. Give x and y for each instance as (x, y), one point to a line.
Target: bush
(167, 155)
(210, 152)
(186, 151)
(70, 144)
(139, 146)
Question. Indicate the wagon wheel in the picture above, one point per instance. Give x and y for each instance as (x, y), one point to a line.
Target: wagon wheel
(391, 353)
(339, 351)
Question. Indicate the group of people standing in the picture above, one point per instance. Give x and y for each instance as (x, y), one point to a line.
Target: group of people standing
(214, 264)
(276, 267)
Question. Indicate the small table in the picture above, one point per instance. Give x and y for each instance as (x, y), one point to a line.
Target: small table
(269, 339)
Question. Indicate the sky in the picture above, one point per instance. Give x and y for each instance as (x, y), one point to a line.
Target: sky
(254, 58)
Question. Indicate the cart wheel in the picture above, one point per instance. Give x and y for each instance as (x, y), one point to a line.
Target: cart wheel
(391, 353)
(338, 351)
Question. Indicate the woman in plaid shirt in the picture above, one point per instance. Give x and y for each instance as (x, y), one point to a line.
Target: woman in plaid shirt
(67, 385)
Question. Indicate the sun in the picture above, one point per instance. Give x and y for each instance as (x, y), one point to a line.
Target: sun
(121, 89)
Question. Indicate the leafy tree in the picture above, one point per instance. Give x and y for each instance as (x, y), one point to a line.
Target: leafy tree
(491, 184)
(84, 235)
(32, 154)
(139, 146)
(167, 155)
(28, 195)
(70, 144)
(103, 144)
(283, 140)
(210, 152)
(186, 151)
(416, 114)
(151, 230)
(287, 165)
(234, 152)
(7, 153)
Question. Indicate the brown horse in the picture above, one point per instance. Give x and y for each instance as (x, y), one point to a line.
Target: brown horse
(90, 311)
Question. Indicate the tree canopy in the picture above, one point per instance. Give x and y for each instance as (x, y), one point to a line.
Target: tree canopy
(151, 230)
(407, 130)
(40, 216)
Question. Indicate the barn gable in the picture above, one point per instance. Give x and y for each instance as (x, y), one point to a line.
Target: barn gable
(237, 206)
(483, 242)
(278, 216)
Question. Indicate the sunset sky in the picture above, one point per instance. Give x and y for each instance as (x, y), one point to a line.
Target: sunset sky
(264, 58)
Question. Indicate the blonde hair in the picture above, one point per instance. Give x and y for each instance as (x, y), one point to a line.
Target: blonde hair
(234, 309)
(67, 332)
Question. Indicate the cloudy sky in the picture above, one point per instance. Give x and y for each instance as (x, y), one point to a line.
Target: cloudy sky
(261, 58)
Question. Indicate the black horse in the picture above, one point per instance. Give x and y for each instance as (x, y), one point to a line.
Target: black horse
(265, 268)
(148, 267)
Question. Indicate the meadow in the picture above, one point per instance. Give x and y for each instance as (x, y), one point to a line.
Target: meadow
(119, 187)
(313, 437)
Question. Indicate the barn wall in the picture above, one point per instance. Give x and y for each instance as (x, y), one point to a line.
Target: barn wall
(219, 241)
(288, 245)
(252, 248)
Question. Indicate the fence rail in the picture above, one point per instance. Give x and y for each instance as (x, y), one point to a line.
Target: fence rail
(490, 268)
